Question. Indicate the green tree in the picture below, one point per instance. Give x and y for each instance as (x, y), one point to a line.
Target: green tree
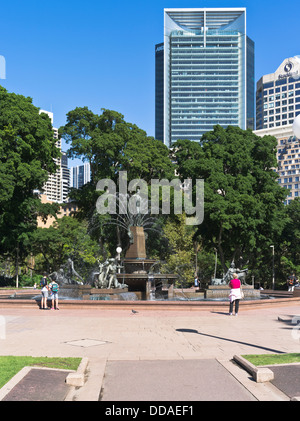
(110, 145)
(181, 257)
(287, 245)
(67, 237)
(243, 205)
(27, 152)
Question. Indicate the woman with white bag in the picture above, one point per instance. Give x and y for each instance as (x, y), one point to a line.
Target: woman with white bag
(235, 295)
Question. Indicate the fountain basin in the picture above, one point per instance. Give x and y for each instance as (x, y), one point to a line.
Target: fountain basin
(222, 291)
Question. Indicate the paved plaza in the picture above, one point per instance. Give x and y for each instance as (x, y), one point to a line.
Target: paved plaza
(157, 355)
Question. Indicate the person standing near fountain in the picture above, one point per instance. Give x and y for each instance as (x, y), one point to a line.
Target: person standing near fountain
(235, 294)
(45, 289)
(54, 287)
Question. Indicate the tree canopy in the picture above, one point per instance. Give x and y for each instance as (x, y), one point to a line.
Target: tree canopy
(27, 153)
(243, 207)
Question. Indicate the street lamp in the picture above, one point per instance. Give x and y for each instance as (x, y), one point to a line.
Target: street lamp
(273, 269)
(119, 251)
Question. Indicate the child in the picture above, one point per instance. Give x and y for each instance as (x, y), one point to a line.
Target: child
(54, 289)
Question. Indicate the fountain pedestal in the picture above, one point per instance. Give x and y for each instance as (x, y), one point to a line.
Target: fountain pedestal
(137, 268)
(137, 249)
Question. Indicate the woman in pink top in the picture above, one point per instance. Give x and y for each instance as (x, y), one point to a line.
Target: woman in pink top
(235, 294)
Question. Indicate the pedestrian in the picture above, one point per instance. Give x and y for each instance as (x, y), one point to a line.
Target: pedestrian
(235, 294)
(54, 287)
(45, 290)
(196, 281)
(292, 281)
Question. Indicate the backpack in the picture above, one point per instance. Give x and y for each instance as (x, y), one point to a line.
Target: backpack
(43, 282)
(54, 287)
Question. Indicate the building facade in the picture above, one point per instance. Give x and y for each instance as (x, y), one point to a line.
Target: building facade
(208, 73)
(159, 91)
(80, 175)
(65, 177)
(56, 188)
(288, 158)
(278, 95)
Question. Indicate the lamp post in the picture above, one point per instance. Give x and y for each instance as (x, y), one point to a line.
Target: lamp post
(273, 269)
(119, 251)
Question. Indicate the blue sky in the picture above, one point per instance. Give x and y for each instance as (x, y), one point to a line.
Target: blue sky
(100, 54)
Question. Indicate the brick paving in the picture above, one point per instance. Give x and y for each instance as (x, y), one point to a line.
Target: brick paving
(192, 340)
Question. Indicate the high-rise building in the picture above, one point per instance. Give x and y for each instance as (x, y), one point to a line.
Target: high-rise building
(159, 91)
(277, 105)
(288, 158)
(52, 187)
(80, 175)
(278, 95)
(56, 187)
(208, 73)
(65, 177)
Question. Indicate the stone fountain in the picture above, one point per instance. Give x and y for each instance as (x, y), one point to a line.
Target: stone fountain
(136, 274)
(219, 289)
(139, 272)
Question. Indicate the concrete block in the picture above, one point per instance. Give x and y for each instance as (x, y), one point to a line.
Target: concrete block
(77, 379)
(260, 374)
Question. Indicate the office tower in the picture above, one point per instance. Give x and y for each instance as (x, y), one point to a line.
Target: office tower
(159, 91)
(80, 175)
(277, 105)
(208, 73)
(278, 95)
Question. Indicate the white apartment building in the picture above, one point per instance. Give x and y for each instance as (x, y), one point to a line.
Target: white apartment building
(57, 186)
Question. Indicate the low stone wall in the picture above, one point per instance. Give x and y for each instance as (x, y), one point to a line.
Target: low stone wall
(113, 294)
(222, 292)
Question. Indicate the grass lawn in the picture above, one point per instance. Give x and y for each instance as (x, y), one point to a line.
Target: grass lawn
(269, 359)
(10, 365)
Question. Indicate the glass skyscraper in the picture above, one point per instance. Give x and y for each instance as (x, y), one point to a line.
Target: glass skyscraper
(208, 73)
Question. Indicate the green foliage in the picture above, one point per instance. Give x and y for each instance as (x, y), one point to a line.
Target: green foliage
(110, 145)
(29, 281)
(269, 359)
(243, 209)
(180, 259)
(68, 237)
(27, 152)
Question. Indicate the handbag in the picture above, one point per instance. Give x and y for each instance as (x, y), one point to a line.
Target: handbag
(242, 293)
